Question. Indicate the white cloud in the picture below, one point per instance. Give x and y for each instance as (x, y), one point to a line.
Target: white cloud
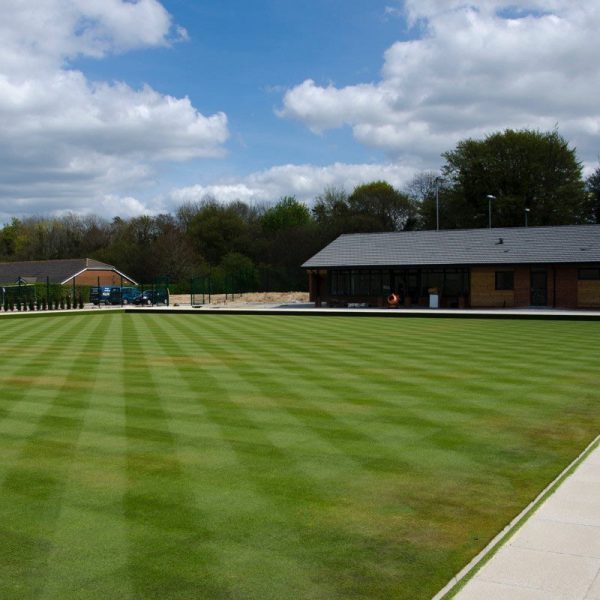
(65, 140)
(305, 182)
(476, 67)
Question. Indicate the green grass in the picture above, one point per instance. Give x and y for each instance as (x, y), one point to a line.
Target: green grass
(200, 456)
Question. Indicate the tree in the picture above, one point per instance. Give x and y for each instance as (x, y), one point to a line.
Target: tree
(377, 206)
(288, 213)
(428, 191)
(592, 186)
(522, 169)
(12, 239)
(215, 230)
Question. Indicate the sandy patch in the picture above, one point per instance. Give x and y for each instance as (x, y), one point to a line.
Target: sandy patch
(248, 298)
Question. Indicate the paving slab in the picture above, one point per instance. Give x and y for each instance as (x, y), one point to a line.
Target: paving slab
(555, 555)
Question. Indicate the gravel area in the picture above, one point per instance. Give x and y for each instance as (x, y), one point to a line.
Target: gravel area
(248, 298)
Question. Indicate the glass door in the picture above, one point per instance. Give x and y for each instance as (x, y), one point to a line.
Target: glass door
(539, 288)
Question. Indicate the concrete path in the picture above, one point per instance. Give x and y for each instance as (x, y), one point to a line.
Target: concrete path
(556, 553)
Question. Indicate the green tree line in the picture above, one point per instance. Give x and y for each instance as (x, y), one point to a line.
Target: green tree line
(517, 174)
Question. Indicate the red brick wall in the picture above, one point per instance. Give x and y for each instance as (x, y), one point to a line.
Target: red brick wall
(522, 285)
(107, 277)
(566, 286)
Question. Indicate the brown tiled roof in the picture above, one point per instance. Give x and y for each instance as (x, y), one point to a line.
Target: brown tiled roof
(57, 271)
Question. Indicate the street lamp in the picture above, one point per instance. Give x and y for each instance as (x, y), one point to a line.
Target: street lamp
(526, 214)
(489, 199)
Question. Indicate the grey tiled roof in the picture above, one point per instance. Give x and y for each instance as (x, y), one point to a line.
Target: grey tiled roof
(566, 244)
(57, 270)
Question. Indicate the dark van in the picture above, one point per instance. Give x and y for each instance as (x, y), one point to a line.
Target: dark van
(123, 295)
(100, 295)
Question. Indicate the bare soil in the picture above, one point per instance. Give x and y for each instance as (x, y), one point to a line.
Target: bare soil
(249, 298)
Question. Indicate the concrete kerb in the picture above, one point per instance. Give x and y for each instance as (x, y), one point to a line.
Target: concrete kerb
(529, 314)
(468, 572)
(309, 310)
(65, 312)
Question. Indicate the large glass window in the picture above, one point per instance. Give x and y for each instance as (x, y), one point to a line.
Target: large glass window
(410, 282)
(589, 273)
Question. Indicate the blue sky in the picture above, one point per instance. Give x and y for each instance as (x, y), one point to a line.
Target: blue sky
(126, 107)
(241, 56)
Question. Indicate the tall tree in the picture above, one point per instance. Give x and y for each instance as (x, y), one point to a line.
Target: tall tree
(428, 190)
(216, 229)
(378, 206)
(523, 170)
(288, 213)
(592, 186)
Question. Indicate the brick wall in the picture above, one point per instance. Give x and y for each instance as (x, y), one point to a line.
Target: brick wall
(107, 277)
(566, 286)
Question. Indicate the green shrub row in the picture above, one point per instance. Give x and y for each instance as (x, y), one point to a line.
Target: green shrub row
(31, 305)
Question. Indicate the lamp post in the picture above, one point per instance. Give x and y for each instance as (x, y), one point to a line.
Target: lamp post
(526, 215)
(489, 199)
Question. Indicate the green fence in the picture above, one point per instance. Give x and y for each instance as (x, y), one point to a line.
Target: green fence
(215, 282)
(23, 296)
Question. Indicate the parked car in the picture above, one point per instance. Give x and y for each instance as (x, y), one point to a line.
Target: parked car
(100, 295)
(156, 296)
(124, 295)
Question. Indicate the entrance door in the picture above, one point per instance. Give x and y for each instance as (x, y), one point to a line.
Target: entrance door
(539, 288)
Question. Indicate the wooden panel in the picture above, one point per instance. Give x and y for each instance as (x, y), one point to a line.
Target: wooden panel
(588, 293)
(483, 292)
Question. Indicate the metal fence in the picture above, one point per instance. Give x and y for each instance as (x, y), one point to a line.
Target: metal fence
(215, 282)
(31, 296)
(26, 296)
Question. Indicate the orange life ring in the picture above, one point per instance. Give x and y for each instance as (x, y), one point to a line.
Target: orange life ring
(393, 299)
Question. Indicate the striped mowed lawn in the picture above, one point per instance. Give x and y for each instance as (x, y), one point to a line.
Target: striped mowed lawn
(204, 456)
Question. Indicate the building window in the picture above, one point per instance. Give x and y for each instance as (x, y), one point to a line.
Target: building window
(588, 274)
(505, 280)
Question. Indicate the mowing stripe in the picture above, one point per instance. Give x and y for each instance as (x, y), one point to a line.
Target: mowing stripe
(94, 486)
(36, 481)
(166, 530)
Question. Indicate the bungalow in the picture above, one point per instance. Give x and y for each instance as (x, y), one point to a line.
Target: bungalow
(70, 271)
(496, 267)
